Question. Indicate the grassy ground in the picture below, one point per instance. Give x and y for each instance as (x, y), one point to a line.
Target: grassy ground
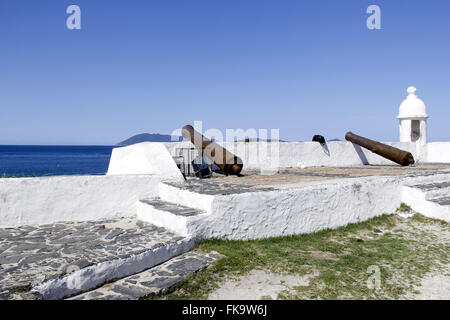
(341, 261)
(5, 176)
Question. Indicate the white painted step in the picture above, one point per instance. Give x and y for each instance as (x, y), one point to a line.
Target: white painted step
(182, 194)
(419, 200)
(183, 220)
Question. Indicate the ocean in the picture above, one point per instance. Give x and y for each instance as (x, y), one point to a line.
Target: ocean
(53, 160)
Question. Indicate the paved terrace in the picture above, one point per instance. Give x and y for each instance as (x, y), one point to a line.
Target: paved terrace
(295, 175)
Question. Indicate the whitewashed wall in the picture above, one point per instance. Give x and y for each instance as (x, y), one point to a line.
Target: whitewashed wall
(438, 152)
(44, 200)
(76, 198)
(294, 208)
(261, 155)
(144, 158)
(306, 209)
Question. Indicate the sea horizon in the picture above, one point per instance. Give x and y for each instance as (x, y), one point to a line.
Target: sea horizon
(58, 145)
(54, 160)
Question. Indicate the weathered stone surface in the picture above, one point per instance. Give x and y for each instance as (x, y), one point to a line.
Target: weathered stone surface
(36, 258)
(132, 292)
(36, 254)
(173, 208)
(5, 295)
(444, 201)
(154, 280)
(433, 186)
(114, 233)
(184, 266)
(162, 282)
(11, 259)
(216, 187)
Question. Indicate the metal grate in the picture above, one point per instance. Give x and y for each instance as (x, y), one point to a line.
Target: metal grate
(183, 158)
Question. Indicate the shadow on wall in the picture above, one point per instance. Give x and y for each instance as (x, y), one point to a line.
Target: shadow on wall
(361, 154)
(325, 148)
(321, 140)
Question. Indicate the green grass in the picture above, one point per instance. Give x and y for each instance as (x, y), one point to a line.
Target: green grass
(403, 208)
(339, 258)
(23, 175)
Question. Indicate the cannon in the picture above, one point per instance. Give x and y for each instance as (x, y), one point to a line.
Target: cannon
(229, 163)
(396, 155)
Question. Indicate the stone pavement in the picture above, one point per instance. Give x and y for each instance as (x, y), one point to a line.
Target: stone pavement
(33, 255)
(251, 180)
(216, 186)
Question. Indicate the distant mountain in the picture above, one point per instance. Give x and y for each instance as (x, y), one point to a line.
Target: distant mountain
(335, 140)
(149, 137)
(260, 140)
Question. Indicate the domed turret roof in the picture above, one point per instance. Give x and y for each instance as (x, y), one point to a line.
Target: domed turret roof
(412, 107)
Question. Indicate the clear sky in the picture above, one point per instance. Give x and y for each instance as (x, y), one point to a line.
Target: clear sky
(304, 67)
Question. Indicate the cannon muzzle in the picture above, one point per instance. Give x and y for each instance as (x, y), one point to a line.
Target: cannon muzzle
(396, 155)
(225, 160)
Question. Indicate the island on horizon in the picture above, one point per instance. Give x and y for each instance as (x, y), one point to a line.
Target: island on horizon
(149, 137)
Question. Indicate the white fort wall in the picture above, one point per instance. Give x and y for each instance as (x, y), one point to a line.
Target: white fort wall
(34, 201)
(295, 208)
(136, 176)
(144, 158)
(437, 152)
(133, 174)
(262, 155)
(300, 210)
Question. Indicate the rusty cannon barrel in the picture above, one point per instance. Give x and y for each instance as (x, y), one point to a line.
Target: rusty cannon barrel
(225, 160)
(396, 155)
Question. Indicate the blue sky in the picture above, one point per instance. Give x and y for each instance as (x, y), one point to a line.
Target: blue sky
(304, 67)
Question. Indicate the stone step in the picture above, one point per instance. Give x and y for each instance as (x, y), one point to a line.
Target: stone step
(173, 208)
(419, 200)
(65, 259)
(442, 201)
(184, 221)
(434, 190)
(183, 194)
(200, 194)
(152, 281)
